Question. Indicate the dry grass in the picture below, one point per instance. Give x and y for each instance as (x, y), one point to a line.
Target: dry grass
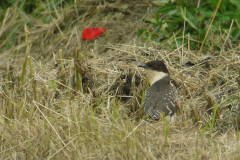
(62, 123)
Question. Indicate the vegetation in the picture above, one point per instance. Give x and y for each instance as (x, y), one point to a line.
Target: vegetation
(211, 24)
(65, 98)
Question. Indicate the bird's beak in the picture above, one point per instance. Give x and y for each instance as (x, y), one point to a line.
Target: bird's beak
(142, 66)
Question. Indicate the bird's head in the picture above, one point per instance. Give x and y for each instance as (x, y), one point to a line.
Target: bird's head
(155, 70)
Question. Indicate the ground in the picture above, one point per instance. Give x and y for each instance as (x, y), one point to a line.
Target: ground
(47, 112)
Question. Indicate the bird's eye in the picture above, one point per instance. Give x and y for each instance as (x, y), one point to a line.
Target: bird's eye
(154, 66)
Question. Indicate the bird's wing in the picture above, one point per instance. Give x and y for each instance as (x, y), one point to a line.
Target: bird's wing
(161, 102)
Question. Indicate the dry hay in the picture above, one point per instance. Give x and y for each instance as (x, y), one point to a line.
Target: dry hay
(93, 123)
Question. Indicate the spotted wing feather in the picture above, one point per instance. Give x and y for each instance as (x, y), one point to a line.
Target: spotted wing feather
(160, 98)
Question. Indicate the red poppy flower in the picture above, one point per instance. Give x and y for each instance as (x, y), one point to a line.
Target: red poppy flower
(90, 33)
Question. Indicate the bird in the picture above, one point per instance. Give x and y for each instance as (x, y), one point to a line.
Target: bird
(160, 99)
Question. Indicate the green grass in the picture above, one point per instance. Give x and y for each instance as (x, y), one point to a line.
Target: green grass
(205, 26)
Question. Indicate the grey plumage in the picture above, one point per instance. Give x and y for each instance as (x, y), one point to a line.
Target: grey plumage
(160, 98)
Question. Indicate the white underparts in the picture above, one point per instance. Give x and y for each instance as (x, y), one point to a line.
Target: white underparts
(169, 118)
(154, 76)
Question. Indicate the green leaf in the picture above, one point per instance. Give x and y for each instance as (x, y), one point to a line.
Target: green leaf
(140, 32)
(236, 3)
(167, 8)
(156, 18)
(172, 12)
(159, 2)
(204, 12)
(191, 23)
(152, 20)
(47, 19)
(53, 85)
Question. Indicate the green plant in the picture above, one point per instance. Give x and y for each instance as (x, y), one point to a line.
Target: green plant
(28, 12)
(210, 24)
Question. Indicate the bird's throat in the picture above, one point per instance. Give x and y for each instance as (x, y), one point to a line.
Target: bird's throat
(155, 76)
